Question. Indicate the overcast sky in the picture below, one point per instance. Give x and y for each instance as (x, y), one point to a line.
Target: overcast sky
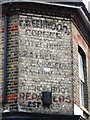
(86, 2)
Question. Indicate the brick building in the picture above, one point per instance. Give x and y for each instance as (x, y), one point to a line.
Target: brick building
(45, 60)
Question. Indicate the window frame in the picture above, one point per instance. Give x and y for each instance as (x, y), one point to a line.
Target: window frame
(81, 59)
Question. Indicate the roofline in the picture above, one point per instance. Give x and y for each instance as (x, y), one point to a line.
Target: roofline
(47, 3)
(76, 6)
(83, 14)
(34, 1)
(79, 8)
(55, 4)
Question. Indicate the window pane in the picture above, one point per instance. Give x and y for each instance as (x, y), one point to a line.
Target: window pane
(81, 93)
(81, 70)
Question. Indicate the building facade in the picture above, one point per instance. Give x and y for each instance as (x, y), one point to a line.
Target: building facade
(45, 56)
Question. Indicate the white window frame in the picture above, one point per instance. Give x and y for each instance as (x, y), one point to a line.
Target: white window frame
(81, 79)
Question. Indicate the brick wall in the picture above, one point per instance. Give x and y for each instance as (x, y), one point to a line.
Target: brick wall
(45, 63)
(40, 58)
(1, 60)
(12, 63)
(78, 40)
(75, 66)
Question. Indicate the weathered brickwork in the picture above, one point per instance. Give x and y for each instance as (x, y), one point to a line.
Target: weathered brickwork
(45, 63)
(42, 56)
(79, 41)
(75, 67)
(1, 60)
(12, 62)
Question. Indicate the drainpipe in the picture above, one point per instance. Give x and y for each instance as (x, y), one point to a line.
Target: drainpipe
(4, 93)
(5, 58)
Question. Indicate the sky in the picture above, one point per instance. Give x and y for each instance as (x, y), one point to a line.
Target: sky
(86, 2)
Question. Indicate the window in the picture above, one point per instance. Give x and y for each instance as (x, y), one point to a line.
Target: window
(81, 59)
(81, 68)
(81, 91)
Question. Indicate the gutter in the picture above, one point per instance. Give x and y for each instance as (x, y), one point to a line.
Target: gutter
(87, 21)
(41, 2)
(54, 4)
